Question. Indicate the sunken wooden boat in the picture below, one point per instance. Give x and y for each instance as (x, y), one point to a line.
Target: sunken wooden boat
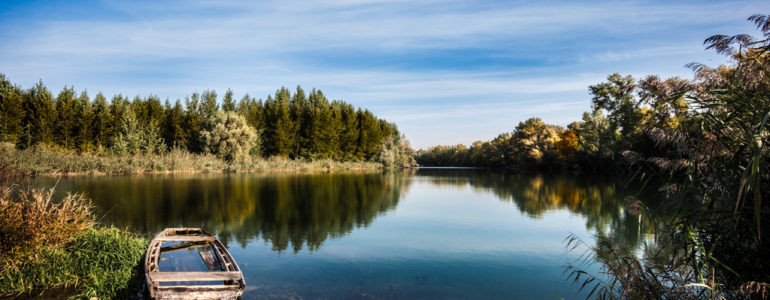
(223, 280)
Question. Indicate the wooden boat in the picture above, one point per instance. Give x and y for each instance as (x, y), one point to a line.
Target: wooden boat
(223, 280)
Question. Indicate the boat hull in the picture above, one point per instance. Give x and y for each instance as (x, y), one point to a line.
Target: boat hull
(192, 285)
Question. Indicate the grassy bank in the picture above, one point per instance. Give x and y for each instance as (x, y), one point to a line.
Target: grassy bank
(43, 160)
(52, 244)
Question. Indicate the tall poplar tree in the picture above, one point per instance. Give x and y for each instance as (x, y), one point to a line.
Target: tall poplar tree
(39, 114)
(279, 131)
(208, 105)
(174, 132)
(369, 135)
(11, 112)
(348, 135)
(66, 119)
(83, 117)
(101, 128)
(228, 104)
(193, 122)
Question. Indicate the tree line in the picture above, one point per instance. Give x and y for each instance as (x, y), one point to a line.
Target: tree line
(623, 113)
(289, 124)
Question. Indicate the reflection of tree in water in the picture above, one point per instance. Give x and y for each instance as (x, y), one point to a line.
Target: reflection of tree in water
(296, 211)
(286, 210)
(602, 201)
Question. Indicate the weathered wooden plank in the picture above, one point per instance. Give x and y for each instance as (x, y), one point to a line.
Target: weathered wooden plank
(156, 255)
(183, 246)
(186, 238)
(211, 263)
(188, 293)
(194, 276)
(195, 288)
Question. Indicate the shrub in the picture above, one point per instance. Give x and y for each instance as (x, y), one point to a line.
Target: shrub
(396, 153)
(229, 137)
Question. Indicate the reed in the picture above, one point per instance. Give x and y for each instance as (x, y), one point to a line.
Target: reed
(29, 220)
(45, 160)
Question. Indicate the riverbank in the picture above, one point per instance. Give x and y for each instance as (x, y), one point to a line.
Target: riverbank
(43, 160)
(55, 244)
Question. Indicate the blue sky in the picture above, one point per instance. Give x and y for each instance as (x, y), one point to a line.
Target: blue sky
(445, 71)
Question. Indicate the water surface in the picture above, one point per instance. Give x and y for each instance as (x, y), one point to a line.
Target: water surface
(425, 234)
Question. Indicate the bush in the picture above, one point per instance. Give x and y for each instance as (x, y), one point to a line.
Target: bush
(229, 137)
(395, 153)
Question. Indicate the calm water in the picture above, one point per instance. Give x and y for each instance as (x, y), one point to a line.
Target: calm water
(425, 234)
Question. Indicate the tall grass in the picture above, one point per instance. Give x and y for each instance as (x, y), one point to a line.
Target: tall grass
(45, 160)
(30, 220)
(655, 273)
(54, 243)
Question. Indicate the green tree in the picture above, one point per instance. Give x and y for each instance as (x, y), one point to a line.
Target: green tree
(149, 111)
(39, 115)
(533, 142)
(193, 123)
(66, 118)
(616, 97)
(83, 117)
(253, 111)
(228, 104)
(101, 123)
(300, 114)
(326, 128)
(174, 132)
(279, 128)
(208, 105)
(11, 111)
(118, 107)
(369, 134)
(348, 134)
(133, 138)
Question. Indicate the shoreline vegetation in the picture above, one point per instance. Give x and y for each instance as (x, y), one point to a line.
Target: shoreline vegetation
(57, 246)
(704, 143)
(46, 161)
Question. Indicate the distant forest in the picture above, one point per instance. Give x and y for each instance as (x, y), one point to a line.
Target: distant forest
(294, 125)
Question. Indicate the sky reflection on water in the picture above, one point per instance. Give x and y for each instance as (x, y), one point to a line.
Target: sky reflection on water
(426, 234)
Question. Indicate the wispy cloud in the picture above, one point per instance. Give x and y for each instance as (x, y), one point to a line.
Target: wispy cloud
(423, 64)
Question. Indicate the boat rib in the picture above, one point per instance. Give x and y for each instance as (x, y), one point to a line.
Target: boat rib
(192, 285)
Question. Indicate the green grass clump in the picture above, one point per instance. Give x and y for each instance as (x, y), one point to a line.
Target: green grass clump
(103, 262)
(53, 244)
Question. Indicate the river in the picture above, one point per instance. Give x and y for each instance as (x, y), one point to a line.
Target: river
(417, 234)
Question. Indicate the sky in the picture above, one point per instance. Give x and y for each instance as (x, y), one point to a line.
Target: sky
(446, 72)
